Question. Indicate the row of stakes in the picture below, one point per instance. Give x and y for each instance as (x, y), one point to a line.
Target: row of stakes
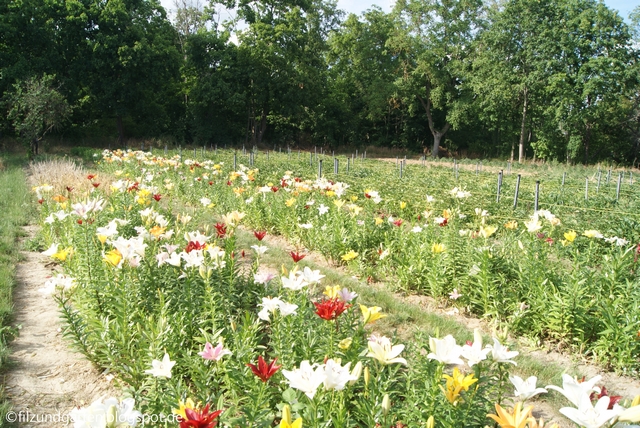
(401, 164)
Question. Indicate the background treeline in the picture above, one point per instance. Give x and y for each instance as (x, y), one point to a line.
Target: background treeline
(551, 79)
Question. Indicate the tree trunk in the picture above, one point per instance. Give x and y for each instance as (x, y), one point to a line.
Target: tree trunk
(34, 147)
(437, 134)
(523, 126)
(263, 126)
(587, 139)
(120, 130)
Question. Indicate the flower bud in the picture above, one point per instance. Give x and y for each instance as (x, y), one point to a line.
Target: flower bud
(356, 372)
(386, 404)
(112, 416)
(286, 414)
(430, 422)
(366, 376)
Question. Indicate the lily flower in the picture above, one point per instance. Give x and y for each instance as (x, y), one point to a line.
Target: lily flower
(445, 350)
(214, 354)
(382, 351)
(347, 295)
(475, 353)
(293, 281)
(589, 416)
(200, 418)
(371, 314)
(297, 256)
(517, 418)
(307, 378)
(330, 309)
(575, 391)
(311, 276)
(456, 383)
(336, 376)
(161, 368)
(263, 370)
(501, 353)
(525, 389)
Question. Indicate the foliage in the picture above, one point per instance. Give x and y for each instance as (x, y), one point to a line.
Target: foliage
(36, 107)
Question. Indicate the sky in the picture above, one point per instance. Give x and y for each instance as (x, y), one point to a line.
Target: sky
(624, 7)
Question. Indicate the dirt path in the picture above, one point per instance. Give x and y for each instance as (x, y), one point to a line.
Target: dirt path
(46, 379)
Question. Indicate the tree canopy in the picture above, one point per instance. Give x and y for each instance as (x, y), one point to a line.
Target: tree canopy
(554, 79)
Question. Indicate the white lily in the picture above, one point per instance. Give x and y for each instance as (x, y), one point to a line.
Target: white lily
(589, 416)
(525, 389)
(445, 350)
(575, 391)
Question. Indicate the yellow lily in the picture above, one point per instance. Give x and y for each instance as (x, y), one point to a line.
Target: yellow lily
(183, 406)
(518, 418)
(437, 248)
(331, 291)
(349, 256)
(570, 235)
(371, 314)
(113, 257)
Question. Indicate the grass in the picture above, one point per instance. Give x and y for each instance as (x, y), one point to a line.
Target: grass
(16, 212)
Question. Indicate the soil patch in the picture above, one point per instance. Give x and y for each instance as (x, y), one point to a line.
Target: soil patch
(46, 379)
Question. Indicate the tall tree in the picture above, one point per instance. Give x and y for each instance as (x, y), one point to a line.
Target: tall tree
(36, 107)
(434, 40)
(511, 63)
(363, 72)
(282, 55)
(590, 71)
(133, 71)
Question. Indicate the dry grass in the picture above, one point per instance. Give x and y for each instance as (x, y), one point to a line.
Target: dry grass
(59, 173)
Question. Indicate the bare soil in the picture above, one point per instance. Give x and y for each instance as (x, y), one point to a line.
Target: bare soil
(46, 379)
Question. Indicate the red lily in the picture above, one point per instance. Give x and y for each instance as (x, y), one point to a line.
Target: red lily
(200, 418)
(264, 371)
(221, 229)
(260, 234)
(330, 309)
(157, 197)
(95, 184)
(69, 189)
(296, 256)
(398, 222)
(274, 189)
(194, 246)
(134, 187)
(91, 176)
(613, 399)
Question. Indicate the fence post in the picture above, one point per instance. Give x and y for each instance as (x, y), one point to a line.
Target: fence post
(618, 186)
(515, 196)
(499, 186)
(586, 189)
(319, 169)
(535, 203)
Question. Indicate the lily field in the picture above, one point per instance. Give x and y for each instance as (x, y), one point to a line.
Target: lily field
(163, 283)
